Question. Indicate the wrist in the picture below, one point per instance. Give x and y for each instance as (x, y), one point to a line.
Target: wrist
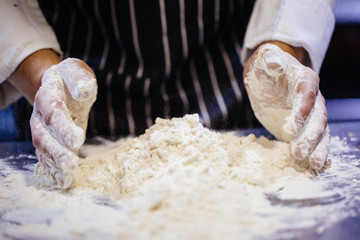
(27, 77)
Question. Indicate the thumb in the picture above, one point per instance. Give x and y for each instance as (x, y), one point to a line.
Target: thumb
(273, 60)
(79, 78)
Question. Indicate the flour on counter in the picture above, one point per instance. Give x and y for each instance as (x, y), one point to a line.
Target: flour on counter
(179, 180)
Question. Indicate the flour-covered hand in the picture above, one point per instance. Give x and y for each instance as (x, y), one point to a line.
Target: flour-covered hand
(286, 99)
(59, 119)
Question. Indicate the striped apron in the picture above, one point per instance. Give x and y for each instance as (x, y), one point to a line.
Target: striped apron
(157, 58)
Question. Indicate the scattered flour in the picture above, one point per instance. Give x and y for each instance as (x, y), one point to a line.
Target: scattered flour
(179, 180)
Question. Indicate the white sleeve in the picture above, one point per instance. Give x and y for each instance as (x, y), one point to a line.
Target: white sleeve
(306, 23)
(23, 31)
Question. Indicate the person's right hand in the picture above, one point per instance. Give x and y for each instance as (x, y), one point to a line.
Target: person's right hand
(286, 99)
(60, 114)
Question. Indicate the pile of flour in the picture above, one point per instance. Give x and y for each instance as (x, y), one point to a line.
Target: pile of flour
(182, 180)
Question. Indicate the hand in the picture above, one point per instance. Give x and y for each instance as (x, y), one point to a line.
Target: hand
(286, 99)
(59, 119)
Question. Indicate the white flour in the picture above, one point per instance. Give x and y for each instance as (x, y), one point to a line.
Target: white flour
(183, 152)
(177, 181)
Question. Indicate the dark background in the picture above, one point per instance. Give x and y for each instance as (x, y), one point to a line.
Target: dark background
(340, 72)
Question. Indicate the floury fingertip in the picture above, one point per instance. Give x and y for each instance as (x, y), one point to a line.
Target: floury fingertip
(67, 180)
(85, 90)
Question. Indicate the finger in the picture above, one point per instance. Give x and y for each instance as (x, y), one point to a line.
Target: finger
(318, 157)
(47, 165)
(308, 88)
(58, 155)
(273, 60)
(79, 79)
(304, 100)
(313, 131)
(61, 178)
(50, 108)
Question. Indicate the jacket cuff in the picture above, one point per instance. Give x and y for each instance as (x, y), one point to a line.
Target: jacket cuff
(307, 23)
(23, 31)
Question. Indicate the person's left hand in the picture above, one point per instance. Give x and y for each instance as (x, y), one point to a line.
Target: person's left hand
(286, 99)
